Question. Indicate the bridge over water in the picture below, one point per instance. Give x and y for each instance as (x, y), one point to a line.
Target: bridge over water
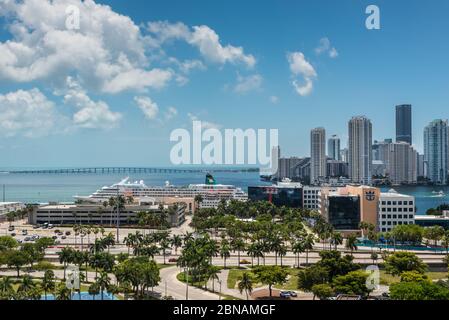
(126, 170)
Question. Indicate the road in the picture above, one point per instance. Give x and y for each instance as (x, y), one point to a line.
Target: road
(171, 286)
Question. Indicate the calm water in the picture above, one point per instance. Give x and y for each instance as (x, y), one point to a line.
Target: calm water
(39, 188)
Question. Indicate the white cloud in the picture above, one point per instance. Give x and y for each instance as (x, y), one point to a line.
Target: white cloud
(149, 108)
(249, 83)
(299, 66)
(28, 113)
(90, 114)
(274, 99)
(325, 46)
(107, 50)
(204, 124)
(171, 113)
(205, 39)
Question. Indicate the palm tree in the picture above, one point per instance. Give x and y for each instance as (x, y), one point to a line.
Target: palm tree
(212, 273)
(164, 245)
(282, 252)
(336, 239)
(103, 282)
(246, 284)
(238, 245)
(48, 282)
(176, 242)
(298, 248)
(62, 292)
(198, 199)
(225, 251)
(6, 285)
(11, 216)
(65, 257)
(26, 285)
(351, 242)
(94, 290)
(308, 243)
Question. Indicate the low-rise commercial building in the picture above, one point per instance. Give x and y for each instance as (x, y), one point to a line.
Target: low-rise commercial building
(395, 209)
(91, 214)
(431, 221)
(346, 207)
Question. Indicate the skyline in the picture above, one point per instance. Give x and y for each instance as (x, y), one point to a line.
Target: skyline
(182, 65)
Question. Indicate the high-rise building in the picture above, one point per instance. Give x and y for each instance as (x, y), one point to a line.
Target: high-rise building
(402, 164)
(333, 148)
(317, 155)
(421, 166)
(360, 150)
(436, 151)
(404, 123)
(344, 156)
(381, 150)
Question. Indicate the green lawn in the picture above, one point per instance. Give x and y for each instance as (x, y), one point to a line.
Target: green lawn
(388, 279)
(236, 274)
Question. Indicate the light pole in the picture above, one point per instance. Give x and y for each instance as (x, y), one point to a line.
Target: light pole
(186, 272)
(219, 283)
(118, 215)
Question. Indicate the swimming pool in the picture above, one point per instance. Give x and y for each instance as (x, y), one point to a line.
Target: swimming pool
(85, 296)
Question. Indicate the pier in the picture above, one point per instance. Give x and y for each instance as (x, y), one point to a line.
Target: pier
(128, 170)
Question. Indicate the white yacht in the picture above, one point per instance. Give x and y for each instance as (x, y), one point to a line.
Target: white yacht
(211, 193)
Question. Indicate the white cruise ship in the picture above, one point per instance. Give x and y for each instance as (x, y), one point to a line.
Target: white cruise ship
(211, 193)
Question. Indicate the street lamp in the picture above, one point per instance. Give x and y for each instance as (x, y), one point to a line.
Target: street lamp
(219, 296)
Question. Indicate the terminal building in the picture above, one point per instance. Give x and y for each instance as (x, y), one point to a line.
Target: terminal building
(286, 194)
(430, 221)
(91, 214)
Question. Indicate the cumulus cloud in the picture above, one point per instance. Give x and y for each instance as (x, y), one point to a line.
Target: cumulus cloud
(91, 114)
(205, 39)
(325, 46)
(107, 52)
(171, 113)
(149, 108)
(249, 83)
(299, 66)
(28, 113)
(204, 124)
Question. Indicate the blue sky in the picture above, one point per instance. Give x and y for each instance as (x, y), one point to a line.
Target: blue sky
(78, 119)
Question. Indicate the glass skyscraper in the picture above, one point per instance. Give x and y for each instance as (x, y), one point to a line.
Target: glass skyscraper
(436, 142)
(404, 123)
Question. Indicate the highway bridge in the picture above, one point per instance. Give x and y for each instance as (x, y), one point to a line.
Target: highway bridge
(130, 170)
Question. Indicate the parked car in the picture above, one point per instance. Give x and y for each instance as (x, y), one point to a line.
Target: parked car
(293, 294)
(68, 233)
(173, 260)
(285, 294)
(13, 234)
(54, 237)
(24, 232)
(11, 228)
(63, 237)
